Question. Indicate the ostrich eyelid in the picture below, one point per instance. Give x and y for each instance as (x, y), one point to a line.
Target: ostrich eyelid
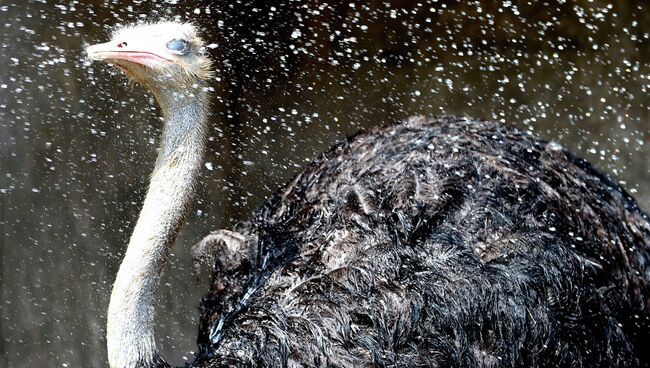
(177, 45)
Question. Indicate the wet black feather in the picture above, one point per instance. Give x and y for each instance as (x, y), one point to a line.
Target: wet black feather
(441, 242)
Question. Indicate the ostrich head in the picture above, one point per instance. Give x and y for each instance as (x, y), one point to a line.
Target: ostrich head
(159, 56)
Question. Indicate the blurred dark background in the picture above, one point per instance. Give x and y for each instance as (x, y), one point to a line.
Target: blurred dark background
(77, 141)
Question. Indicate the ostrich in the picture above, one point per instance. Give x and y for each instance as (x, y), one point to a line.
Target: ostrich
(441, 242)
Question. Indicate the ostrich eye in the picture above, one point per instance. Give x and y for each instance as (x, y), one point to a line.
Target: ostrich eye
(177, 45)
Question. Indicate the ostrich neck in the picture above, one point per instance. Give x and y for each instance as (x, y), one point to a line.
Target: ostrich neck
(130, 329)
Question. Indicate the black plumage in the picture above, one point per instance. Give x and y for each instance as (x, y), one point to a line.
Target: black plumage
(443, 242)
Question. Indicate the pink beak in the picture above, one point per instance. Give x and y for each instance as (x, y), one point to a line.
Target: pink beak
(114, 51)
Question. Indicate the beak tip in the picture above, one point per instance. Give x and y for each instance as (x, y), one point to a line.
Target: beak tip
(94, 52)
(90, 52)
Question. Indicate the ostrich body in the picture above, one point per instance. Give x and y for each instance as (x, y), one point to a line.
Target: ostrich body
(440, 242)
(435, 243)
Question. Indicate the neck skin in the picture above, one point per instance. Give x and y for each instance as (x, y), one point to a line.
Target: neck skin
(130, 329)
